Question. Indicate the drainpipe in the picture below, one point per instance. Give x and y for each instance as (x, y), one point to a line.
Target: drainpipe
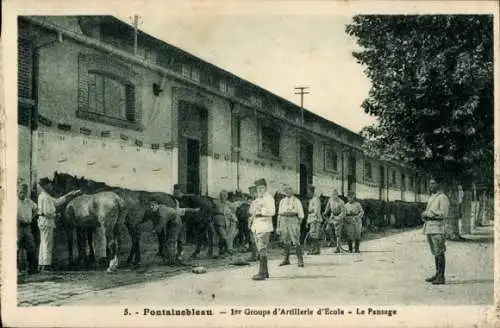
(34, 110)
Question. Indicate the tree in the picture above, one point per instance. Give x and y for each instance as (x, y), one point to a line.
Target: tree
(432, 92)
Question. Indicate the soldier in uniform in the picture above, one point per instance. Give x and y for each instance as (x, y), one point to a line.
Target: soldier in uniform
(436, 211)
(26, 210)
(253, 248)
(263, 209)
(181, 240)
(353, 221)
(314, 220)
(335, 208)
(168, 223)
(290, 215)
(224, 217)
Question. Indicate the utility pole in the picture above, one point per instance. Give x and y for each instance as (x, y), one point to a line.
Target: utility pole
(302, 93)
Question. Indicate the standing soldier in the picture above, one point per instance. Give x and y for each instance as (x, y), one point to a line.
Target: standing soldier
(26, 210)
(314, 220)
(181, 211)
(263, 210)
(290, 215)
(224, 217)
(336, 208)
(436, 211)
(47, 206)
(353, 221)
(167, 224)
(253, 247)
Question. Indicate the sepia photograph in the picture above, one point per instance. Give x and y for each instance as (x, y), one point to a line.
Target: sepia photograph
(254, 167)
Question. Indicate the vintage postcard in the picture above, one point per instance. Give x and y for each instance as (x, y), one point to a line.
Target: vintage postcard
(249, 163)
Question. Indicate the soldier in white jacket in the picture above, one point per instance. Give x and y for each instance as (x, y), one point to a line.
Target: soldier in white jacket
(263, 209)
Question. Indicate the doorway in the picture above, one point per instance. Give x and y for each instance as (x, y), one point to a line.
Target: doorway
(192, 166)
(305, 166)
(382, 182)
(351, 173)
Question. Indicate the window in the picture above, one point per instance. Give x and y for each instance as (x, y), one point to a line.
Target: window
(223, 85)
(331, 163)
(270, 142)
(109, 97)
(186, 70)
(403, 181)
(393, 180)
(368, 170)
(195, 74)
(107, 92)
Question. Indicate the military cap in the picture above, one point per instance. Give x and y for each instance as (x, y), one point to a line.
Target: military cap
(260, 182)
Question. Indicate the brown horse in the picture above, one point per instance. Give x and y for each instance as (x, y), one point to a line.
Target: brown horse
(103, 211)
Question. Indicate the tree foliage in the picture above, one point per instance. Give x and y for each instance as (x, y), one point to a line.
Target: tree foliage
(432, 90)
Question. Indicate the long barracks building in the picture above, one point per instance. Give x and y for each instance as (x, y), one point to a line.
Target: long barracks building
(97, 99)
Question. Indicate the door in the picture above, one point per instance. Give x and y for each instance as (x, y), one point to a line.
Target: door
(192, 166)
(382, 183)
(305, 166)
(351, 173)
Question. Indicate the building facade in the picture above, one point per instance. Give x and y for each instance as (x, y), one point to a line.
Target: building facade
(101, 100)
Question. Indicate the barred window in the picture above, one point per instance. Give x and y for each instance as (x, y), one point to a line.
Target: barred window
(331, 161)
(109, 97)
(270, 144)
(368, 170)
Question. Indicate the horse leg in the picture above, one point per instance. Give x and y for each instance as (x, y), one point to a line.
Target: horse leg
(113, 249)
(101, 240)
(70, 240)
(80, 239)
(210, 230)
(90, 243)
(134, 244)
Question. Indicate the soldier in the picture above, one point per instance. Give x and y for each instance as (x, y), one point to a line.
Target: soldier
(314, 220)
(436, 211)
(263, 209)
(47, 206)
(253, 248)
(181, 211)
(26, 210)
(336, 208)
(224, 217)
(290, 215)
(353, 221)
(168, 223)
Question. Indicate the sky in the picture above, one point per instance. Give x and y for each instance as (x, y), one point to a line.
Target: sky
(278, 53)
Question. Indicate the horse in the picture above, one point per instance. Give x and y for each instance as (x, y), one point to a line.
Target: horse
(242, 204)
(137, 203)
(199, 224)
(103, 211)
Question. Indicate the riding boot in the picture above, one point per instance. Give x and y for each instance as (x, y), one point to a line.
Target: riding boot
(266, 270)
(300, 258)
(356, 245)
(431, 279)
(318, 246)
(262, 273)
(350, 246)
(286, 252)
(441, 269)
(253, 257)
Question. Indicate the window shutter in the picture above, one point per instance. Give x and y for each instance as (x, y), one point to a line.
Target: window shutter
(130, 114)
(83, 83)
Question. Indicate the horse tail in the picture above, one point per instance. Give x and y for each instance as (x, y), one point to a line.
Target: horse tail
(122, 209)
